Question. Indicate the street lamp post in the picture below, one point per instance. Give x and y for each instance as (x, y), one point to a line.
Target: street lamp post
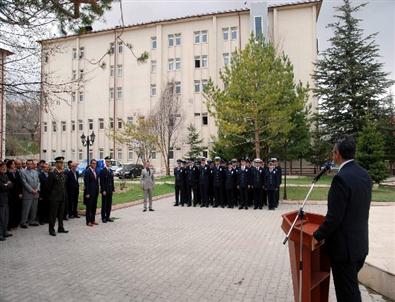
(88, 141)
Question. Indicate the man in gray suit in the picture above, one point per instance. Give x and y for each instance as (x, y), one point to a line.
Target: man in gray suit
(147, 184)
(30, 194)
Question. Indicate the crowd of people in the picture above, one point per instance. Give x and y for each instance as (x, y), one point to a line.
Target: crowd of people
(33, 194)
(235, 183)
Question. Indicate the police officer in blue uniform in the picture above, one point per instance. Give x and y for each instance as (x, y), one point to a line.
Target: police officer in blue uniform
(195, 183)
(189, 177)
(218, 182)
(271, 184)
(279, 173)
(179, 181)
(204, 179)
(257, 175)
(243, 184)
(230, 185)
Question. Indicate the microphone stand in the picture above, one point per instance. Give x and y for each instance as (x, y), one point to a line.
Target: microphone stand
(300, 216)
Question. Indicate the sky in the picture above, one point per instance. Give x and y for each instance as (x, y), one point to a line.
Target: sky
(378, 16)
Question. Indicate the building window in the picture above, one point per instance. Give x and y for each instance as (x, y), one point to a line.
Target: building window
(153, 90)
(120, 123)
(90, 124)
(178, 39)
(80, 125)
(234, 33)
(204, 36)
(81, 74)
(120, 47)
(258, 26)
(101, 153)
(170, 38)
(197, 62)
(204, 119)
(111, 123)
(119, 93)
(72, 125)
(45, 128)
(101, 123)
(226, 58)
(111, 94)
(74, 56)
(197, 86)
(130, 154)
(204, 84)
(205, 153)
(225, 34)
(178, 87)
(171, 64)
(112, 153)
(153, 43)
(79, 154)
(73, 96)
(119, 155)
(153, 66)
(74, 75)
(197, 37)
(204, 61)
(120, 70)
(153, 154)
(81, 96)
(63, 126)
(111, 70)
(129, 120)
(53, 126)
(82, 52)
(178, 63)
(112, 48)
(73, 154)
(171, 153)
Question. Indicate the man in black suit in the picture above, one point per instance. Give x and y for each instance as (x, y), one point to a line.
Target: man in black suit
(179, 174)
(91, 192)
(73, 190)
(204, 174)
(345, 229)
(243, 183)
(43, 201)
(106, 189)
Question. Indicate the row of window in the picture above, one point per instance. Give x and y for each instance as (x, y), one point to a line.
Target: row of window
(80, 53)
(120, 123)
(199, 37)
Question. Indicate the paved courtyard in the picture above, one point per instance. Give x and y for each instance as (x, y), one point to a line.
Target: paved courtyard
(172, 254)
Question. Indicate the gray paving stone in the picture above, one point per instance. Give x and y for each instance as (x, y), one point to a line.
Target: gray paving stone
(172, 254)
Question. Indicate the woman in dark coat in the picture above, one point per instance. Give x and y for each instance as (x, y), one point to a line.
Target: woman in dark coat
(15, 195)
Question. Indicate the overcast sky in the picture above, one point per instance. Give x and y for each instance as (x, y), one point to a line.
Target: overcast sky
(377, 16)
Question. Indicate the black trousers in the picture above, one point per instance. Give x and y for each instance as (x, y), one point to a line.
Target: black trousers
(178, 194)
(218, 197)
(277, 197)
(271, 198)
(56, 210)
(73, 203)
(264, 197)
(250, 196)
(258, 202)
(15, 209)
(91, 205)
(204, 194)
(43, 210)
(106, 204)
(243, 193)
(345, 277)
(230, 198)
(188, 194)
(196, 194)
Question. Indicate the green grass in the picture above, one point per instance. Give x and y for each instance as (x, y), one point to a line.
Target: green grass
(299, 193)
(169, 178)
(305, 180)
(132, 192)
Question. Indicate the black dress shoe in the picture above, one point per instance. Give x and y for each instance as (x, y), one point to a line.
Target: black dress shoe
(8, 235)
(145, 210)
(2, 239)
(240, 208)
(63, 231)
(255, 208)
(151, 210)
(246, 208)
(104, 221)
(176, 204)
(52, 233)
(110, 220)
(24, 226)
(34, 224)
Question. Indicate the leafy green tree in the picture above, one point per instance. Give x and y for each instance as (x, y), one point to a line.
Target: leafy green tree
(194, 142)
(349, 78)
(259, 99)
(370, 152)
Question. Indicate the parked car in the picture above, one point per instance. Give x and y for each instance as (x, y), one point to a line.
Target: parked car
(116, 166)
(130, 171)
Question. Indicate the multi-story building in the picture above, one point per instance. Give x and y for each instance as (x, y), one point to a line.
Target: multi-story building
(188, 51)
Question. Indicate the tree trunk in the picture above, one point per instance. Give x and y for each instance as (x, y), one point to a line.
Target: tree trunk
(285, 197)
(257, 141)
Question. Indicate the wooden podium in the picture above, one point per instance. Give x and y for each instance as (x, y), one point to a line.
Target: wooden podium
(316, 269)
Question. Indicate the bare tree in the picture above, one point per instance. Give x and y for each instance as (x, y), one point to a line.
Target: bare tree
(168, 121)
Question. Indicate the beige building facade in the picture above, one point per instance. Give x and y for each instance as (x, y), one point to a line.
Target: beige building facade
(108, 86)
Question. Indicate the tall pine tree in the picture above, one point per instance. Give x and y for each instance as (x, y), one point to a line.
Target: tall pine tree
(349, 77)
(194, 142)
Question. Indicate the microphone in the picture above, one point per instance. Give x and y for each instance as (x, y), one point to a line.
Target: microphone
(327, 167)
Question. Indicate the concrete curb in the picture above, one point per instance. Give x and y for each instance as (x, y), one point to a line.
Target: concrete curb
(378, 279)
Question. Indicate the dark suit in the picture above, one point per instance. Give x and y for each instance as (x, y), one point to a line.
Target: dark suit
(91, 188)
(271, 184)
(243, 183)
(179, 175)
(204, 175)
(230, 185)
(345, 228)
(73, 190)
(257, 176)
(15, 199)
(106, 185)
(218, 173)
(43, 201)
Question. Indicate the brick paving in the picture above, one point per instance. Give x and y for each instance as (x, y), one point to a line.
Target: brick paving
(172, 254)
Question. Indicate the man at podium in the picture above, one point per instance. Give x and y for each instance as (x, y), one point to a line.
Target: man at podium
(345, 228)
